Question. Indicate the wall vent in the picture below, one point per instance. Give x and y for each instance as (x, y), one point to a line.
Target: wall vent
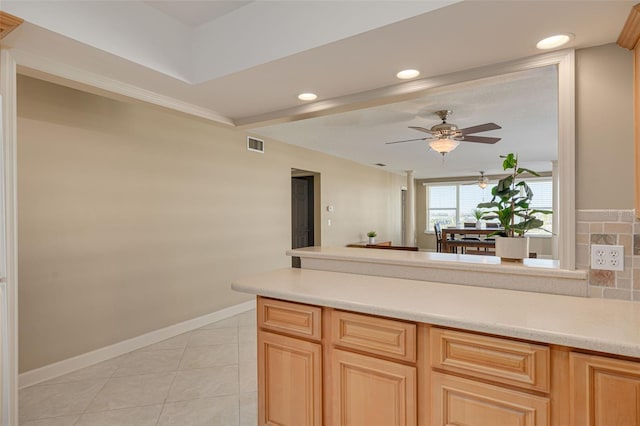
(256, 145)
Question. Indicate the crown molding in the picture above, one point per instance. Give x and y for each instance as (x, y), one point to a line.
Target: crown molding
(8, 23)
(630, 33)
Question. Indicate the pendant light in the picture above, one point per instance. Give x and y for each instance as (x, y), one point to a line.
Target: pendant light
(483, 181)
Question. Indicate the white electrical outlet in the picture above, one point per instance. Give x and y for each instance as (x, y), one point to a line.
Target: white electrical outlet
(610, 258)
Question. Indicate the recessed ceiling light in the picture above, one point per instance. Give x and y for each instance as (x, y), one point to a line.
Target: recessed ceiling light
(307, 96)
(554, 41)
(407, 74)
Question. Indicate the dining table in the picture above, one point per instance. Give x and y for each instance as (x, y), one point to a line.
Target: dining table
(451, 243)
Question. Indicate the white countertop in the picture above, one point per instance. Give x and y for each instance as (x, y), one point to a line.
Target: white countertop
(610, 326)
(493, 264)
(534, 275)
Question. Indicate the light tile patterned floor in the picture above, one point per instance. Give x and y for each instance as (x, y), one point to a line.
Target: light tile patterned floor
(204, 377)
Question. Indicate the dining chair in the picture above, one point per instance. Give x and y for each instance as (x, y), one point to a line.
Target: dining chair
(438, 230)
(469, 237)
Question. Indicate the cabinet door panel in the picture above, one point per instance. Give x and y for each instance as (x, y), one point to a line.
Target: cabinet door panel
(605, 391)
(457, 401)
(372, 392)
(290, 318)
(289, 381)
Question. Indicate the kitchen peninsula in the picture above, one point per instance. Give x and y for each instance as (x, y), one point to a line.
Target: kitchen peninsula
(349, 348)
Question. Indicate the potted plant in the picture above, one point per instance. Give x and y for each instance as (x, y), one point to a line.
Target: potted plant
(372, 237)
(478, 214)
(511, 199)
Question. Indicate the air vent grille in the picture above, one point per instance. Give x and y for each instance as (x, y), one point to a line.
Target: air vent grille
(255, 145)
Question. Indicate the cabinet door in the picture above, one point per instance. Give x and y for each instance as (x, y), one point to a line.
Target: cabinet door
(604, 391)
(289, 381)
(457, 401)
(372, 392)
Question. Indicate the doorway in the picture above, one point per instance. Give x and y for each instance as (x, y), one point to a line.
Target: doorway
(303, 206)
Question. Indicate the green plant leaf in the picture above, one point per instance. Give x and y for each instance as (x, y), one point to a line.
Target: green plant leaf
(504, 183)
(510, 162)
(488, 205)
(531, 172)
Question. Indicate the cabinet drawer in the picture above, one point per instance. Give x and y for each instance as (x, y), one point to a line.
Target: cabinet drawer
(291, 318)
(458, 401)
(380, 336)
(506, 361)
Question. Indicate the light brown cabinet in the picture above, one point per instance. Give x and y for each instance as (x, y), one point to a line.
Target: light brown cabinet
(520, 364)
(462, 363)
(289, 367)
(325, 366)
(370, 391)
(460, 401)
(604, 391)
(372, 376)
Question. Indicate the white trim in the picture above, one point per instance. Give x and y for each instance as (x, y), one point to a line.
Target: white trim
(565, 61)
(56, 72)
(567, 161)
(399, 92)
(51, 371)
(9, 243)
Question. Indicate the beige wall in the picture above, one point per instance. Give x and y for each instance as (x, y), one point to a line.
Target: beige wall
(604, 135)
(132, 219)
(604, 128)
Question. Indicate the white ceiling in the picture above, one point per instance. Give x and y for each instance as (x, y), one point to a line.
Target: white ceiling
(196, 13)
(524, 104)
(244, 62)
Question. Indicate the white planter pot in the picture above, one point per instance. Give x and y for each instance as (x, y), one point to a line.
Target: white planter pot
(512, 248)
(478, 225)
(372, 240)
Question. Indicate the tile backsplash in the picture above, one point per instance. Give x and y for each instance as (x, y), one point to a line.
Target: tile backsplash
(610, 227)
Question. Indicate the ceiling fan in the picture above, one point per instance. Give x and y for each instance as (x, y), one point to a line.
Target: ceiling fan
(447, 136)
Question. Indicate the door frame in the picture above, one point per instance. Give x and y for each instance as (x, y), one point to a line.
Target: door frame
(317, 214)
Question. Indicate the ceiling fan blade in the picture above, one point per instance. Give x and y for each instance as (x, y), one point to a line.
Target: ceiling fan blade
(480, 139)
(408, 140)
(480, 128)
(422, 129)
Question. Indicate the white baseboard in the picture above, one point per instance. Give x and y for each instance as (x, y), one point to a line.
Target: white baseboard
(60, 368)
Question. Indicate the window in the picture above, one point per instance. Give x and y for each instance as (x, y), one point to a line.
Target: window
(452, 204)
(443, 205)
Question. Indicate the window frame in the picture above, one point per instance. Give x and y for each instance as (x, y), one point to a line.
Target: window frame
(458, 184)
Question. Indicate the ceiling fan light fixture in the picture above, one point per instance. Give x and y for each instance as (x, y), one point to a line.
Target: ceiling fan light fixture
(444, 146)
(483, 181)
(307, 96)
(554, 41)
(408, 74)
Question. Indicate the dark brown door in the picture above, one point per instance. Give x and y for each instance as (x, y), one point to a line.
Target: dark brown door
(301, 214)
